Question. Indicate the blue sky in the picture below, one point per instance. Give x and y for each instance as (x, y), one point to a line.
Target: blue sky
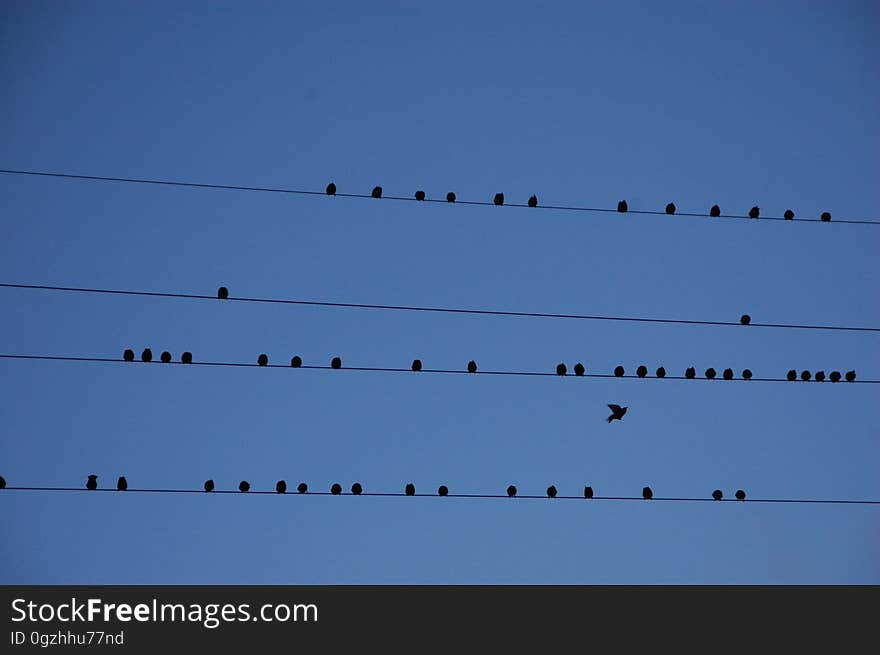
(735, 103)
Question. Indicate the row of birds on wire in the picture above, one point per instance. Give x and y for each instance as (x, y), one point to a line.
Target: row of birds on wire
(561, 369)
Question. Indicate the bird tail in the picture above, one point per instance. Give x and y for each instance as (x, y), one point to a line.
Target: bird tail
(610, 418)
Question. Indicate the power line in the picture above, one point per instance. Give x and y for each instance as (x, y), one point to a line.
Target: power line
(421, 371)
(744, 319)
(573, 208)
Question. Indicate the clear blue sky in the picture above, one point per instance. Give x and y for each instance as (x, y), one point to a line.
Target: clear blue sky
(736, 103)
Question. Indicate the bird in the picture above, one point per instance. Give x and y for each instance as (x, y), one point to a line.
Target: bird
(619, 371)
(642, 371)
(336, 362)
(165, 357)
(710, 373)
(745, 319)
(647, 494)
(560, 369)
(670, 208)
(579, 369)
(754, 212)
(410, 489)
(442, 490)
(788, 215)
(791, 375)
(747, 374)
(331, 189)
(728, 374)
(417, 365)
(511, 491)
(147, 355)
(2, 482)
(302, 488)
(128, 355)
(281, 487)
(472, 366)
(209, 486)
(717, 495)
(420, 195)
(617, 412)
(377, 192)
(622, 206)
(551, 491)
(336, 489)
(533, 201)
(263, 360)
(820, 376)
(296, 361)
(122, 484)
(588, 492)
(835, 376)
(244, 486)
(92, 483)
(690, 373)
(450, 197)
(499, 199)
(715, 211)
(825, 217)
(851, 376)
(740, 494)
(222, 293)
(357, 489)
(805, 376)
(187, 357)
(661, 372)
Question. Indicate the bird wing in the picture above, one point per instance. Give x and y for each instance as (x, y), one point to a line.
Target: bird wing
(615, 408)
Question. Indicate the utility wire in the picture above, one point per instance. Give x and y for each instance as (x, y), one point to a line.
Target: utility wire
(421, 371)
(443, 310)
(236, 187)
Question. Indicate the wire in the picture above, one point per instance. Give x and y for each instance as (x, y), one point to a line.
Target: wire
(444, 310)
(236, 187)
(470, 496)
(385, 369)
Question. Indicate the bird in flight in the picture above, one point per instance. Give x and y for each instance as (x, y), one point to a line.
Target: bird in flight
(617, 412)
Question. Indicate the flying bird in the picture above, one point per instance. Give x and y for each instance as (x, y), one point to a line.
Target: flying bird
(499, 199)
(511, 491)
(717, 495)
(443, 490)
(450, 197)
(617, 412)
(147, 355)
(551, 491)
(209, 486)
(281, 487)
(336, 363)
(661, 372)
(622, 206)
(417, 365)
(420, 195)
(618, 371)
(642, 371)
(165, 357)
(670, 208)
(647, 494)
(92, 483)
(296, 361)
(377, 192)
(754, 212)
(410, 489)
(244, 486)
(122, 484)
(187, 357)
(715, 212)
(533, 201)
(336, 489)
(128, 355)
(222, 293)
(740, 494)
(579, 369)
(472, 366)
(302, 488)
(690, 373)
(331, 189)
(826, 217)
(263, 360)
(561, 369)
(788, 215)
(588, 492)
(357, 489)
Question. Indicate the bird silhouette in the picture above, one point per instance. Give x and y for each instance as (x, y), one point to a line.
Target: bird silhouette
(560, 369)
(187, 358)
(715, 211)
(533, 201)
(122, 484)
(820, 376)
(244, 486)
(357, 489)
(754, 212)
(745, 319)
(835, 376)
(165, 357)
(128, 355)
(209, 486)
(805, 376)
(579, 369)
(417, 365)
(377, 192)
(442, 490)
(472, 366)
(410, 489)
(281, 487)
(826, 217)
(690, 373)
(511, 491)
(551, 491)
(450, 197)
(336, 363)
(619, 371)
(92, 483)
(263, 360)
(747, 374)
(2, 482)
(336, 489)
(642, 371)
(728, 374)
(717, 495)
(622, 206)
(420, 195)
(147, 355)
(791, 375)
(661, 372)
(331, 189)
(302, 488)
(499, 199)
(296, 361)
(617, 412)
(740, 494)
(851, 376)
(647, 494)
(588, 492)
(222, 293)
(710, 373)
(788, 215)
(670, 208)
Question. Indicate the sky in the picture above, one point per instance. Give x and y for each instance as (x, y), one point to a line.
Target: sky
(581, 103)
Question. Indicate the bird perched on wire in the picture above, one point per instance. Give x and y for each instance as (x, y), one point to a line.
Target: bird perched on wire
(244, 486)
(281, 487)
(92, 483)
(187, 357)
(209, 486)
(128, 355)
(420, 195)
(296, 361)
(302, 488)
(791, 375)
(754, 212)
(647, 494)
(357, 489)
(745, 319)
(472, 366)
(851, 376)
(442, 490)
(147, 355)
(717, 495)
(377, 192)
(788, 215)
(499, 199)
(740, 494)
(336, 363)
(533, 201)
(336, 489)
(642, 371)
(122, 484)
(579, 369)
(263, 360)
(551, 491)
(561, 369)
(619, 371)
(511, 491)
(331, 189)
(747, 374)
(690, 373)
(622, 207)
(835, 376)
(661, 372)
(715, 211)
(728, 374)
(2, 482)
(165, 357)
(825, 217)
(450, 197)
(670, 208)
(222, 293)
(617, 412)
(820, 376)
(588, 492)
(410, 489)
(417, 365)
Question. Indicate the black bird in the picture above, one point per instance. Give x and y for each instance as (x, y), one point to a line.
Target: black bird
(805, 376)
(499, 199)
(263, 360)
(296, 361)
(622, 206)
(128, 355)
(561, 369)
(588, 492)
(670, 208)
(92, 483)
(336, 489)
(223, 293)
(410, 489)
(647, 494)
(442, 490)
(511, 491)
(551, 491)
(420, 195)
(209, 486)
(792, 375)
(715, 212)
(747, 374)
(187, 357)
(533, 201)
(717, 495)
(850, 376)
(745, 319)
(357, 489)
(147, 355)
(740, 494)
(754, 212)
(122, 484)
(281, 487)
(820, 376)
(642, 371)
(835, 376)
(617, 412)
(244, 486)
(417, 365)
(302, 488)
(618, 371)
(2, 482)
(728, 374)
(579, 369)
(826, 216)
(690, 373)
(331, 189)
(710, 373)
(377, 192)
(336, 362)
(472, 366)
(165, 357)
(450, 197)
(788, 215)
(661, 372)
